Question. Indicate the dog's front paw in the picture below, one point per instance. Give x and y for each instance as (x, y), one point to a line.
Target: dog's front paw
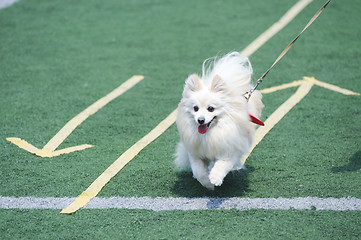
(206, 183)
(209, 186)
(215, 179)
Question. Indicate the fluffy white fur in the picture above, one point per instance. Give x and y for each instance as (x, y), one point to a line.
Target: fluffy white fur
(213, 121)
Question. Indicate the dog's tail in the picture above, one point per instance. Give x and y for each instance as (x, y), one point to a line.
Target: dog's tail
(234, 69)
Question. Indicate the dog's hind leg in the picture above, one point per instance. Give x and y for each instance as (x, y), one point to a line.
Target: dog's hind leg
(200, 172)
(220, 169)
(181, 158)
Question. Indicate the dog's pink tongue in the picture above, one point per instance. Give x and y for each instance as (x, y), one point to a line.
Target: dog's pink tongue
(202, 129)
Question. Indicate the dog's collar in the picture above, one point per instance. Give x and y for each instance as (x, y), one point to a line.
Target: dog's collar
(255, 120)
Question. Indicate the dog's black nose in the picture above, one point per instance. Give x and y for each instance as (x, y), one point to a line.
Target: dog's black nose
(201, 120)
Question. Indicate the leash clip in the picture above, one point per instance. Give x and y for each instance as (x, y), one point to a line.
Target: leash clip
(259, 81)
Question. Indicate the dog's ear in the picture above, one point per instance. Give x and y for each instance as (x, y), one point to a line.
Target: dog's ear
(193, 83)
(218, 85)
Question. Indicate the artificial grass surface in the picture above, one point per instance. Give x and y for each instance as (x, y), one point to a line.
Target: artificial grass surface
(218, 224)
(59, 58)
(52, 71)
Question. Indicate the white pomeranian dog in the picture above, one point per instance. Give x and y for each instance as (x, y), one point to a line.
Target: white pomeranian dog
(214, 119)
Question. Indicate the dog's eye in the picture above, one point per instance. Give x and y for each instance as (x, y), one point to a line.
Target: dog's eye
(196, 108)
(210, 109)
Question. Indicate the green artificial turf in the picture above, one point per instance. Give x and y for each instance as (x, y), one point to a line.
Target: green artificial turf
(217, 224)
(59, 57)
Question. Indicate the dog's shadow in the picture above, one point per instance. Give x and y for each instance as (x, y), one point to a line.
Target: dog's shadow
(235, 184)
(353, 165)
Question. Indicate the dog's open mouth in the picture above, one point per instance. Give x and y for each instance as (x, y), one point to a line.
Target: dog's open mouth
(202, 129)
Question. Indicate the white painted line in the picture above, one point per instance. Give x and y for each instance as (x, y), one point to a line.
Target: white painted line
(185, 204)
(7, 3)
(34, 202)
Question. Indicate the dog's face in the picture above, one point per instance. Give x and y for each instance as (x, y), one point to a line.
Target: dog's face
(204, 104)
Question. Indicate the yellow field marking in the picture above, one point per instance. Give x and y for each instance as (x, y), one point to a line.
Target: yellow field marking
(276, 27)
(332, 87)
(305, 86)
(113, 169)
(281, 87)
(92, 190)
(49, 149)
